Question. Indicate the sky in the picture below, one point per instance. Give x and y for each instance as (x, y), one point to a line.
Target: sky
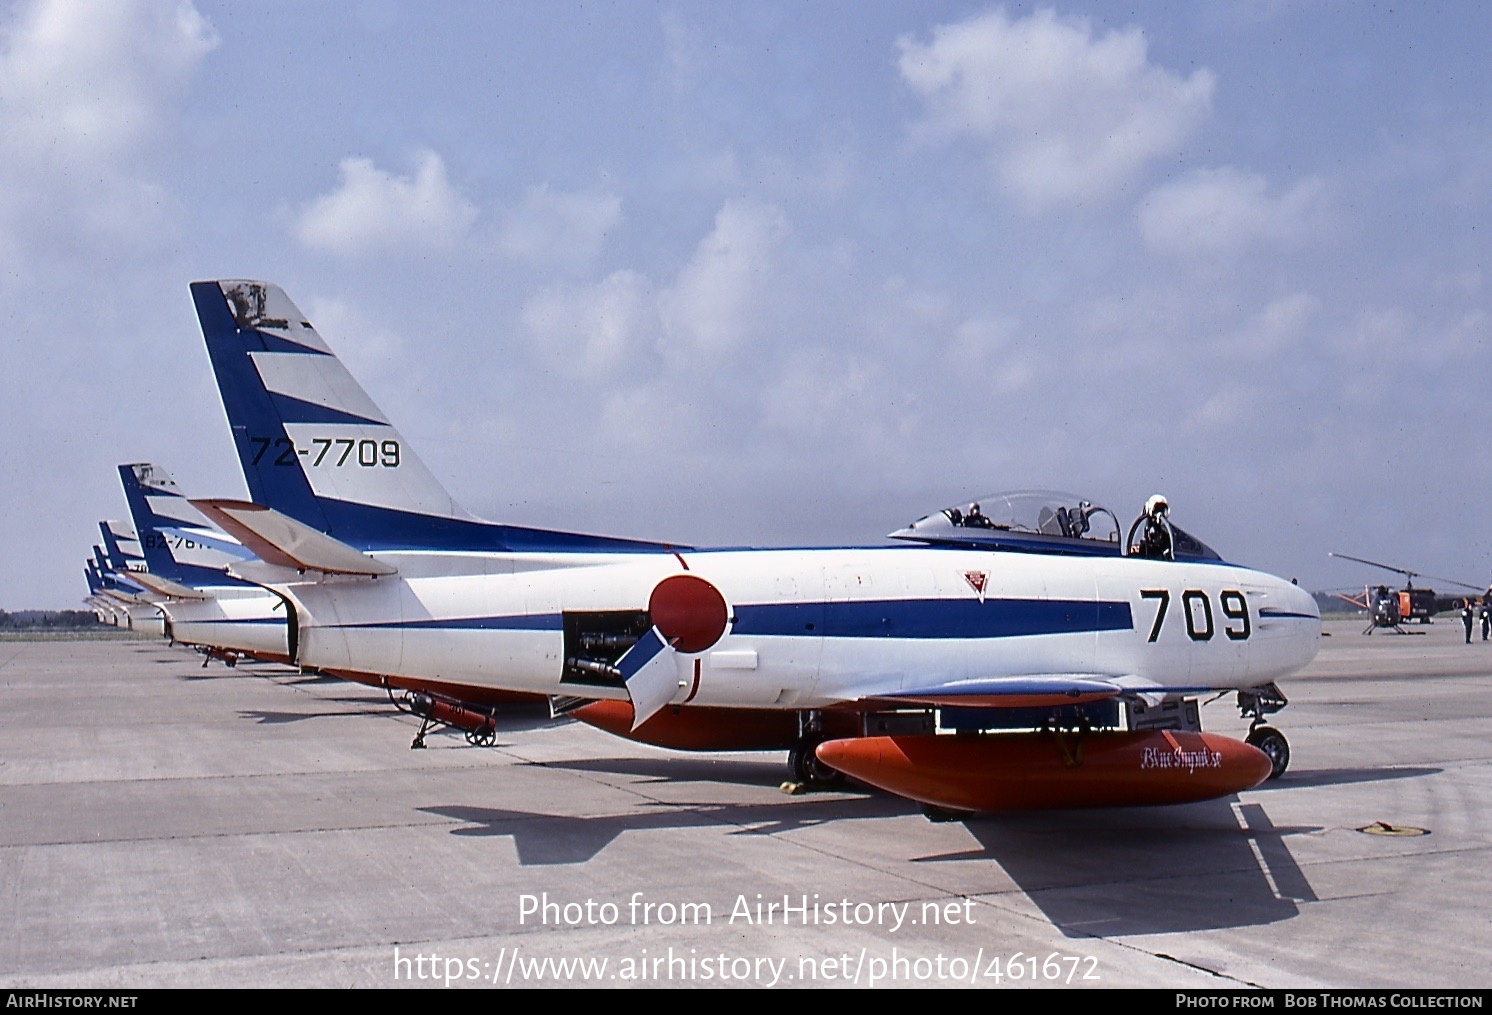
(779, 273)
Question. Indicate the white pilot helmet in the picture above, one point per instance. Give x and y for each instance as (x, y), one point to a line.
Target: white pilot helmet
(1157, 506)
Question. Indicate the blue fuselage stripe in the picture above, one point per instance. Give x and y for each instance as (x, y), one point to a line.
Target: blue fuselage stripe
(934, 618)
(534, 622)
(233, 623)
(889, 618)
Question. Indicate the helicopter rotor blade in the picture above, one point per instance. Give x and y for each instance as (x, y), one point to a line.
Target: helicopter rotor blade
(1411, 575)
(1450, 581)
(1373, 563)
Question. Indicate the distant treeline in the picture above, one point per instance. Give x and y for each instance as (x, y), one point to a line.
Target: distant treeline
(1331, 604)
(47, 620)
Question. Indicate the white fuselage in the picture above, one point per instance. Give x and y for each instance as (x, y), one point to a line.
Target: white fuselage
(137, 615)
(812, 628)
(234, 619)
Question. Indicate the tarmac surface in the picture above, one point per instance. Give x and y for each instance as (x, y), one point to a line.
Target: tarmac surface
(165, 825)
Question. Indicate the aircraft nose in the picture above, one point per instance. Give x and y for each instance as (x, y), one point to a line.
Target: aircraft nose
(1303, 609)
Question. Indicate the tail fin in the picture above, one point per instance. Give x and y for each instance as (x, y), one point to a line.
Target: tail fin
(121, 546)
(314, 446)
(177, 542)
(114, 578)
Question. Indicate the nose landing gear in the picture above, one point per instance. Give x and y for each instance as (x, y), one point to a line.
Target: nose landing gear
(1274, 745)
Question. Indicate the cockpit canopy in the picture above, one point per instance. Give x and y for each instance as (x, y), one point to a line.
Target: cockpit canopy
(1042, 521)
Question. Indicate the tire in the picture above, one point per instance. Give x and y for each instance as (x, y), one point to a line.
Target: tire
(808, 769)
(1275, 747)
(938, 815)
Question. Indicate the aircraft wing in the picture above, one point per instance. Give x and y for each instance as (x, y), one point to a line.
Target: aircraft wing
(279, 539)
(1044, 690)
(1035, 690)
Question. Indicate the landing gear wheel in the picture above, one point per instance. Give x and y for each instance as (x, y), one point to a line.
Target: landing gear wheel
(481, 738)
(937, 815)
(808, 769)
(1274, 745)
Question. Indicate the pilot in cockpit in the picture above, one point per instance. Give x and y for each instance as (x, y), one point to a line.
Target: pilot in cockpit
(1155, 541)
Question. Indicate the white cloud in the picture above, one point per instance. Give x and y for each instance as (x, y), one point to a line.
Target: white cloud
(559, 228)
(1224, 211)
(1067, 117)
(86, 92)
(990, 348)
(1282, 325)
(712, 303)
(88, 80)
(366, 343)
(706, 313)
(591, 329)
(375, 212)
(819, 391)
(1228, 405)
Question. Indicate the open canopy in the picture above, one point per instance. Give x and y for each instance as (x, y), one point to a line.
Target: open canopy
(1042, 521)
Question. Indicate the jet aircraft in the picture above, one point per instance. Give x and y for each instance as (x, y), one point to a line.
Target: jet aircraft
(1069, 660)
(105, 607)
(118, 563)
(186, 561)
(227, 618)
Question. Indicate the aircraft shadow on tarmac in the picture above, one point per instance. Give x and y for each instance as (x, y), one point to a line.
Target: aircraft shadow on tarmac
(1341, 777)
(195, 676)
(267, 718)
(310, 679)
(548, 839)
(372, 706)
(1093, 873)
(224, 672)
(685, 768)
(1116, 873)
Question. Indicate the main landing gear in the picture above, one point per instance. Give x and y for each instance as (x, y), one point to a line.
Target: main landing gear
(807, 770)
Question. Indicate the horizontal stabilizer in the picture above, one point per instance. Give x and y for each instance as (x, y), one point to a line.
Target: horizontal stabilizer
(1037, 690)
(280, 539)
(264, 574)
(167, 587)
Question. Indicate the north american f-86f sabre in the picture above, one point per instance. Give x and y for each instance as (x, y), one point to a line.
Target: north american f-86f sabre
(1024, 651)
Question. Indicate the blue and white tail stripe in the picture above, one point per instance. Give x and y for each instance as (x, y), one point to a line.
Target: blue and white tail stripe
(114, 578)
(177, 542)
(314, 446)
(121, 546)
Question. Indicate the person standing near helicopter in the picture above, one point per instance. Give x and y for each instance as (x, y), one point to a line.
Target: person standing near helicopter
(1467, 616)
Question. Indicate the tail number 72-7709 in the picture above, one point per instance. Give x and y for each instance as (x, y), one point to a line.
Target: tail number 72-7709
(1197, 608)
(369, 453)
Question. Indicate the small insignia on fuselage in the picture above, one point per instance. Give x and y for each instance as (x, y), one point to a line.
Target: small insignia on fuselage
(977, 580)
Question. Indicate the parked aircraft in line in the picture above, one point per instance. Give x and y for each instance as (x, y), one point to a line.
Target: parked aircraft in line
(1036, 613)
(105, 607)
(185, 561)
(117, 562)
